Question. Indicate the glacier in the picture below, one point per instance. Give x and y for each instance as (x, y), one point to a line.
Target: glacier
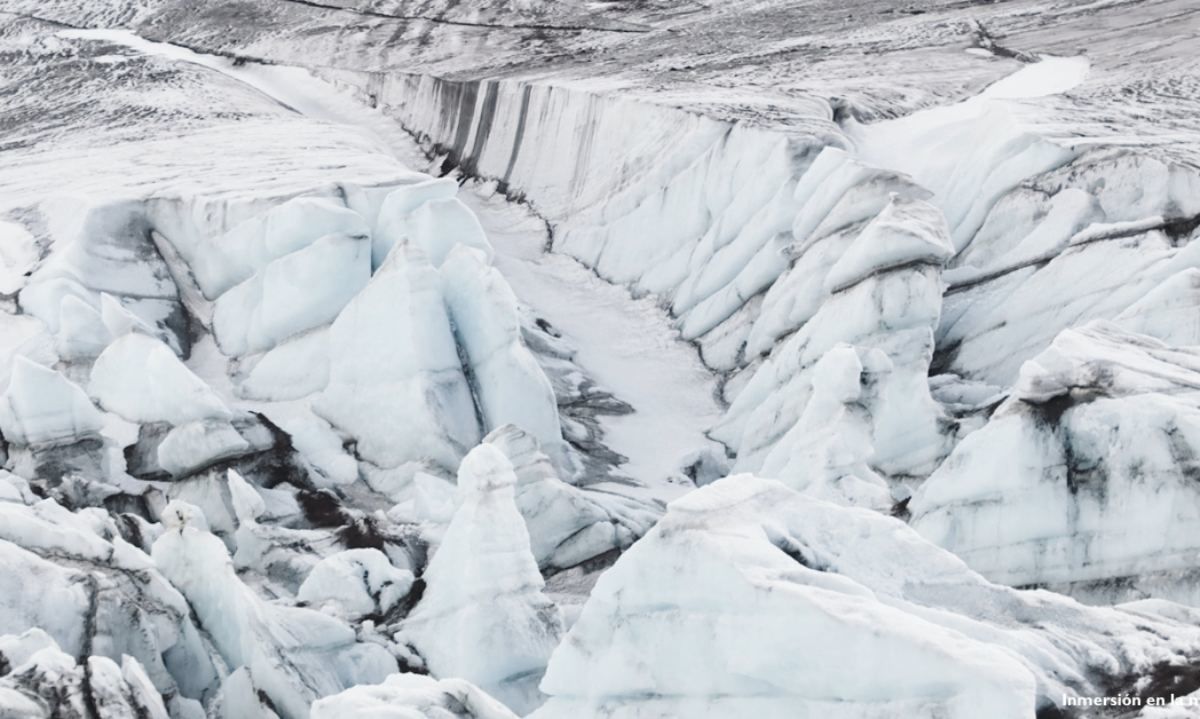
(661, 359)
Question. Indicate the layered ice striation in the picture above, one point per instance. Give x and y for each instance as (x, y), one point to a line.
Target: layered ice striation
(884, 296)
(41, 407)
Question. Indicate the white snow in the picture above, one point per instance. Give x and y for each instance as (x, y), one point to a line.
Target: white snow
(1049, 76)
(626, 345)
(970, 153)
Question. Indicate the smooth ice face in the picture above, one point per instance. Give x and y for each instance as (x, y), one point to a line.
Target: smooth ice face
(141, 379)
(251, 246)
(297, 292)
(43, 407)
(395, 223)
(439, 225)
(198, 444)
